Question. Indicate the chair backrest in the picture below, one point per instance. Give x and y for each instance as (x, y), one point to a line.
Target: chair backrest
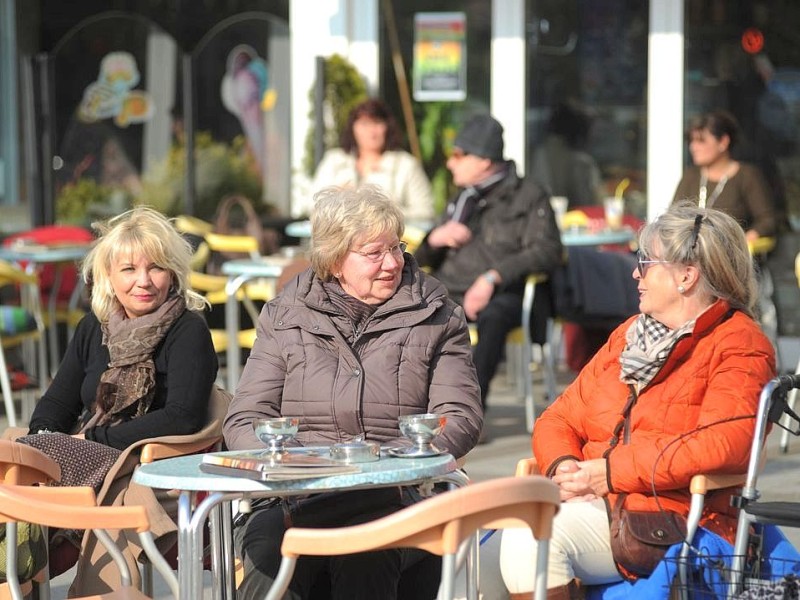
(233, 244)
(439, 524)
(23, 465)
(193, 225)
(76, 508)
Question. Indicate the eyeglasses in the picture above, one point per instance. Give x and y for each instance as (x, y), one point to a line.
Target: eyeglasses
(377, 256)
(643, 261)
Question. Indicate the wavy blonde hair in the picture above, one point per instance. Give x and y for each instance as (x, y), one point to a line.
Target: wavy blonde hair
(140, 231)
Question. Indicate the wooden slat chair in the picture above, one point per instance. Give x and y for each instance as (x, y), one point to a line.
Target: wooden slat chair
(29, 337)
(439, 525)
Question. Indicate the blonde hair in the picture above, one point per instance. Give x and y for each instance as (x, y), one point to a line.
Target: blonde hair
(141, 231)
(342, 215)
(713, 242)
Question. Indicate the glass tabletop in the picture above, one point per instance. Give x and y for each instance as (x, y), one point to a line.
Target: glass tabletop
(183, 473)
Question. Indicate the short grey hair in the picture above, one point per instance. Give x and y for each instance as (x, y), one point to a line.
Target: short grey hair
(343, 215)
(715, 244)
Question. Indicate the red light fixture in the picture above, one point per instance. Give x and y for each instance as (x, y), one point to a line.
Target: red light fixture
(752, 40)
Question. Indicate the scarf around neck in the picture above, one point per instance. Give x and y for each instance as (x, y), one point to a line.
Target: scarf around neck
(649, 343)
(131, 375)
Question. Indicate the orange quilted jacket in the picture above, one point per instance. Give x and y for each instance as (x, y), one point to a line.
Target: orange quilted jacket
(683, 423)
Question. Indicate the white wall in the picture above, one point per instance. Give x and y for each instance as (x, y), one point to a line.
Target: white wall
(508, 76)
(322, 28)
(664, 104)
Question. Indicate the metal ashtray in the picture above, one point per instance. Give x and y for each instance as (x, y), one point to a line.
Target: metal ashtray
(356, 452)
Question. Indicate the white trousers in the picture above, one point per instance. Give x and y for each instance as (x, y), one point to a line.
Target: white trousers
(580, 547)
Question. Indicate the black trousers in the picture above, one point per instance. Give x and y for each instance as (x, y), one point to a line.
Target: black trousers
(501, 315)
(365, 576)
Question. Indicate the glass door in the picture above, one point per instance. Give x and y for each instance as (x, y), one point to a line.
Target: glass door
(586, 99)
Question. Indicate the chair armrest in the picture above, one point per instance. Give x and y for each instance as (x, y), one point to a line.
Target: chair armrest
(156, 451)
(527, 466)
(72, 496)
(701, 484)
(46, 506)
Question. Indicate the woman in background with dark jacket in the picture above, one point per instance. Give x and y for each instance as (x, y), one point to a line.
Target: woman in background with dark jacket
(717, 180)
(353, 343)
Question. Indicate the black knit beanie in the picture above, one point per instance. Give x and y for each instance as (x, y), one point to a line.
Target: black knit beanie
(482, 136)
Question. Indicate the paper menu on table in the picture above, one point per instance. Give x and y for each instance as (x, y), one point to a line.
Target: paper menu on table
(257, 465)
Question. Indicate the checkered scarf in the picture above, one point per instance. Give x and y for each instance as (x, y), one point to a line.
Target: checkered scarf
(649, 343)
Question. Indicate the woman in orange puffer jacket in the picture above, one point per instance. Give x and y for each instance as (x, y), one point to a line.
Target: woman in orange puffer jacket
(672, 393)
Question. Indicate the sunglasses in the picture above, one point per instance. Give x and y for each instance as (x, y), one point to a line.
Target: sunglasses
(643, 263)
(458, 153)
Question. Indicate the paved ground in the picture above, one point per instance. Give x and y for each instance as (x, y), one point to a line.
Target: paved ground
(509, 441)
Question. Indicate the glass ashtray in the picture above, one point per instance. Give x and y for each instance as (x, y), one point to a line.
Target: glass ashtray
(356, 452)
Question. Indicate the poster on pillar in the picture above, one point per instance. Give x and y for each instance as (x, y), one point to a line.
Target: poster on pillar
(440, 56)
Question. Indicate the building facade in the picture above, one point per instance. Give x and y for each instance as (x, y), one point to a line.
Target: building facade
(110, 95)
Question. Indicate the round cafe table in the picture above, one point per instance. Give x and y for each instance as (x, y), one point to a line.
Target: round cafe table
(603, 237)
(184, 474)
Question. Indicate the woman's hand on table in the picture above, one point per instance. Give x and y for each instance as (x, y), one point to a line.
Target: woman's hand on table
(581, 481)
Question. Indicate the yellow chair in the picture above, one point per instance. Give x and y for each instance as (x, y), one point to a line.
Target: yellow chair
(574, 219)
(213, 288)
(761, 246)
(440, 525)
(413, 237)
(31, 340)
(192, 225)
(236, 244)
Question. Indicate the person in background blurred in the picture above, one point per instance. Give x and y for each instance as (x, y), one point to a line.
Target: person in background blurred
(499, 229)
(349, 346)
(561, 163)
(717, 180)
(371, 152)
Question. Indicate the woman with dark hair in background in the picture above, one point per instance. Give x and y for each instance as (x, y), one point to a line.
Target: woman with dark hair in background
(719, 181)
(371, 152)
